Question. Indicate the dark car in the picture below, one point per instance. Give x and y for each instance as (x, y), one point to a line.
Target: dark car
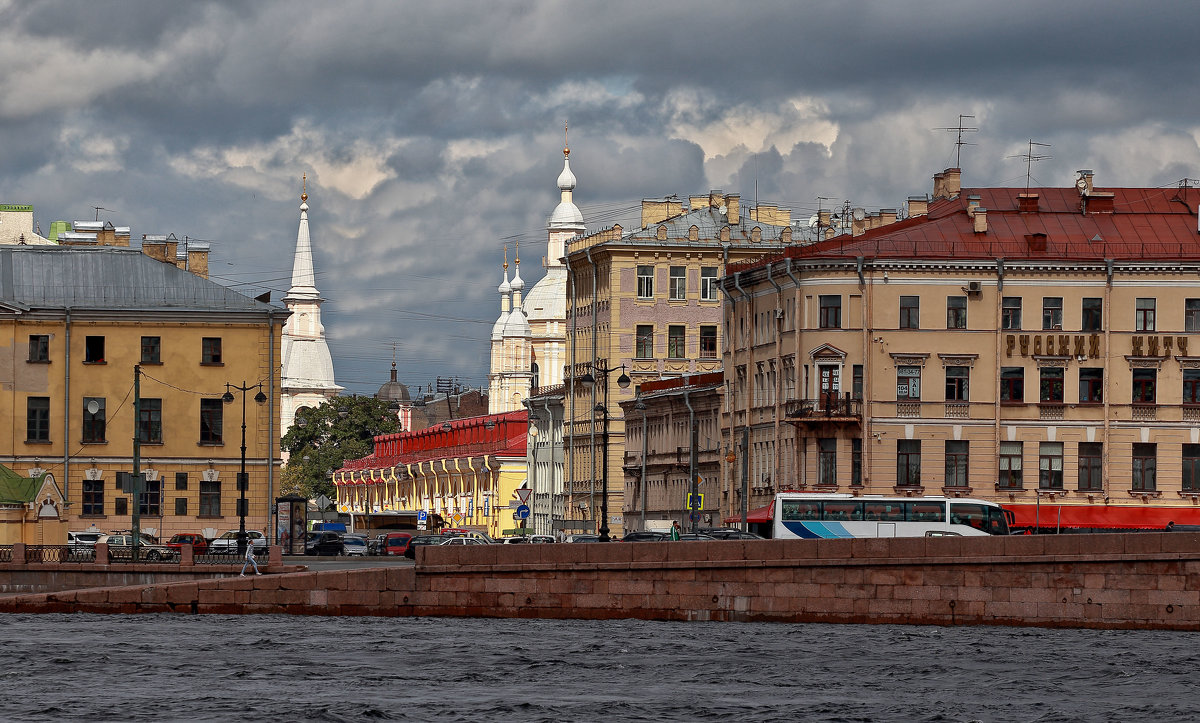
(395, 543)
(415, 542)
(645, 536)
(693, 536)
(375, 544)
(730, 533)
(198, 542)
(324, 543)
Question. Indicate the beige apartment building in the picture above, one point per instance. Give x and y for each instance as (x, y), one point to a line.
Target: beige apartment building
(1036, 347)
(642, 306)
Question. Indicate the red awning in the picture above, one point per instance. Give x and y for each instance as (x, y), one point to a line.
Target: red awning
(765, 513)
(1116, 517)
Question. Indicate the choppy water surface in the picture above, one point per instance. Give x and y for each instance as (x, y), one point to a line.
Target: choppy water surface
(117, 668)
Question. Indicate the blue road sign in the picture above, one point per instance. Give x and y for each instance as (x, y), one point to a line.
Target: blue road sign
(522, 513)
(422, 516)
(695, 517)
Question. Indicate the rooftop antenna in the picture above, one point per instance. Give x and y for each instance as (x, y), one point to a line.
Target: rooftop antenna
(1030, 157)
(960, 128)
(101, 208)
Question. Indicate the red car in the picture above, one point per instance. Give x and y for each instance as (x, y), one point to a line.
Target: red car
(395, 543)
(198, 542)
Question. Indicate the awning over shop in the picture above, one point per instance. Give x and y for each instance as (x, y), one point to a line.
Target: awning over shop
(766, 513)
(1100, 517)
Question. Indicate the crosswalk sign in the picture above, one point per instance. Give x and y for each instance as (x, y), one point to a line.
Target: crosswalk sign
(695, 502)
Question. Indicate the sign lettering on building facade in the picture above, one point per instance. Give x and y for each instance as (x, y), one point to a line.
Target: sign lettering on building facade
(1053, 345)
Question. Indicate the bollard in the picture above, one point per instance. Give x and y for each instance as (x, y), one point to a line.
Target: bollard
(101, 556)
(18, 553)
(275, 557)
(187, 555)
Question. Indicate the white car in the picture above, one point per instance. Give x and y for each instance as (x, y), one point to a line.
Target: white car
(527, 540)
(464, 541)
(226, 544)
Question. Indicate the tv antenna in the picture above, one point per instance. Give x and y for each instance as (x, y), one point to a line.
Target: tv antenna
(960, 128)
(101, 208)
(1030, 157)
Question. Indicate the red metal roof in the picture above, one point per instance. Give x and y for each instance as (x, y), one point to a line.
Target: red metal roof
(1119, 223)
(506, 437)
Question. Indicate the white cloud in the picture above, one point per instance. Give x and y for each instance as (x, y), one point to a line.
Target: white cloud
(698, 116)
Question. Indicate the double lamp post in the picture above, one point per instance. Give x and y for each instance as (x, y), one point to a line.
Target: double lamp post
(589, 381)
(243, 480)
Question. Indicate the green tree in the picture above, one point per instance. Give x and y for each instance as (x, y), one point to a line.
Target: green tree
(323, 438)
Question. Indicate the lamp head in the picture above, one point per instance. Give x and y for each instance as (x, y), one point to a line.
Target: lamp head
(227, 397)
(623, 380)
(586, 379)
(260, 397)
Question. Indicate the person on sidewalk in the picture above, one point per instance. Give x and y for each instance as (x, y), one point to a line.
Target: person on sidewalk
(249, 559)
(675, 531)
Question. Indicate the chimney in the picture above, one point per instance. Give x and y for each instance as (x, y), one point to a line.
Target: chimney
(733, 213)
(823, 218)
(698, 202)
(972, 205)
(197, 260)
(1084, 182)
(953, 181)
(716, 199)
(939, 185)
(980, 220)
(1027, 203)
(887, 216)
(172, 252)
(655, 210)
(917, 206)
(155, 248)
(858, 221)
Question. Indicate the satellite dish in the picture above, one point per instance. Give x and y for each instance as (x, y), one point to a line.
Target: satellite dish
(859, 214)
(1081, 183)
(812, 221)
(93, 407)
(721, 209)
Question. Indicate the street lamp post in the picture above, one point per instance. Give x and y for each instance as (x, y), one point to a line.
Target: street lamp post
(641, 407)
(242, 480)
(588, 381)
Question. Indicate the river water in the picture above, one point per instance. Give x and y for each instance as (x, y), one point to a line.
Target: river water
(280, 668)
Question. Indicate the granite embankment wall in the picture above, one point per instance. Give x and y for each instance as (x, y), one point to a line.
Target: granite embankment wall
(1099, 581)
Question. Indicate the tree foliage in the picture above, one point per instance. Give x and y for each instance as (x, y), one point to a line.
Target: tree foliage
(323, 438)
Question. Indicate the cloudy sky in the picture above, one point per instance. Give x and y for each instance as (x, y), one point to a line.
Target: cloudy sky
(432, 132)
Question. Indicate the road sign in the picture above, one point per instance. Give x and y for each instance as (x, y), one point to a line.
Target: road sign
(458, 518)
(523, 495)
(522, 513)
(695, 517)
(695, 502)
(422, 516)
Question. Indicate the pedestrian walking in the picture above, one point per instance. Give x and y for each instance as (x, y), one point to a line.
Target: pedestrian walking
(249, 559)
(674, 531)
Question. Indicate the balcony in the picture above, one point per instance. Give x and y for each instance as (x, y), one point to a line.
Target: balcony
(825, 409)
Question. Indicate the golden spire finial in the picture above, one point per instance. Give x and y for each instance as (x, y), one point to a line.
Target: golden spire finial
(506, 259)
(566, 142)
(304, 188)
(517, 253)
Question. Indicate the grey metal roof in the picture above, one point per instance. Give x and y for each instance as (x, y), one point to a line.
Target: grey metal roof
(108, 278)
(709, 221)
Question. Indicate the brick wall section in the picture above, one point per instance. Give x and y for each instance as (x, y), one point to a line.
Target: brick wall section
(1096, 581)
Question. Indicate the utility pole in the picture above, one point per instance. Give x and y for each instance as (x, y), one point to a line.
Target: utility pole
(136, 480)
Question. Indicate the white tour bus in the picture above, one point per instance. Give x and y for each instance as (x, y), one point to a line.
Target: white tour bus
(813, 515)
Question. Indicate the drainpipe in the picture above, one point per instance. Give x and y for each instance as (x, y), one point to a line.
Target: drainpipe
(570, 396)
(779, 365)
(592, 408)
(733, 309)
(272, 527)
(737, 283)
(550, 446)
(67, 417)
(693, 484)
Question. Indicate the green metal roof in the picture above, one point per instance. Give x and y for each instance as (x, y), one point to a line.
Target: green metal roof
(15, 489)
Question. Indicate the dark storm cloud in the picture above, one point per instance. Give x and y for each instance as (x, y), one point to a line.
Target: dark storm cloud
(431, 133)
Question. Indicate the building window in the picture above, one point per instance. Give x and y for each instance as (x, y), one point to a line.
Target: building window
(1012, 384)
(708, 342)
(856, 462)
(831, 312)
(210, 352)
(1010, 313)
(181, 480)
(210, 499)
(1143, 319)
(39, 348)
(1191, 315)
(1091, 466)
(150, 421)
(93, 497)
(180, 506)
(151, 350)
(37, 419)
(908, 382)
(677, 288)
(677, 342)
(1143, 385)
(908, 463)
(1191, 467)
(211, 421)
(708, 283)
(856, 382)
(957, 462)
(956, 312)
(1051, 388)
(827, 461)
(1093, 314)
(1145, 467)
(150, 498)
(1191, 386)
(1052, 312)
(1011, 461)
(644, 342)
(121, 506)
(956, 384)
(93, 350)
(1091, 385)
(645, 282)
(93, 420)
(1050, 465)
(910, 312)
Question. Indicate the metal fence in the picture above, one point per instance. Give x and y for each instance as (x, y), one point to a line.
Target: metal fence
(6, 552)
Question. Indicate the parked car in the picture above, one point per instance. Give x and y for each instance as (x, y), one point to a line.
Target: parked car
(411, 551)
(354, 545)
(395, 543)
(120, 547)
(324, 543)
(226, 544)
(645, 536)
(198, 542)
(83, 544)
(582, 537)
(693, 536)
(375, 544)
(462, 540)
(730, 533)
(527, 540)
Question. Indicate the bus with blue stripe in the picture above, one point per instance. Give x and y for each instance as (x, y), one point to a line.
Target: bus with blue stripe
(829, 516)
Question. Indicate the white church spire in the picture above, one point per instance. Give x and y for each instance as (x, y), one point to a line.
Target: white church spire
(303, 279)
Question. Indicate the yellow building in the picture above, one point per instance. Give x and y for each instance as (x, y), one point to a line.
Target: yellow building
(1037, 347)
(647, 304)
(31, 509)
(75, 323)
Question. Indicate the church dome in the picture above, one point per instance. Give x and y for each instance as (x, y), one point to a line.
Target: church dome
(516, 324)
(566, 179)
(566, 214)
(392, 390)
(547, 300)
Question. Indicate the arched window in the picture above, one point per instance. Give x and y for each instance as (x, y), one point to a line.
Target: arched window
(533, 383)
